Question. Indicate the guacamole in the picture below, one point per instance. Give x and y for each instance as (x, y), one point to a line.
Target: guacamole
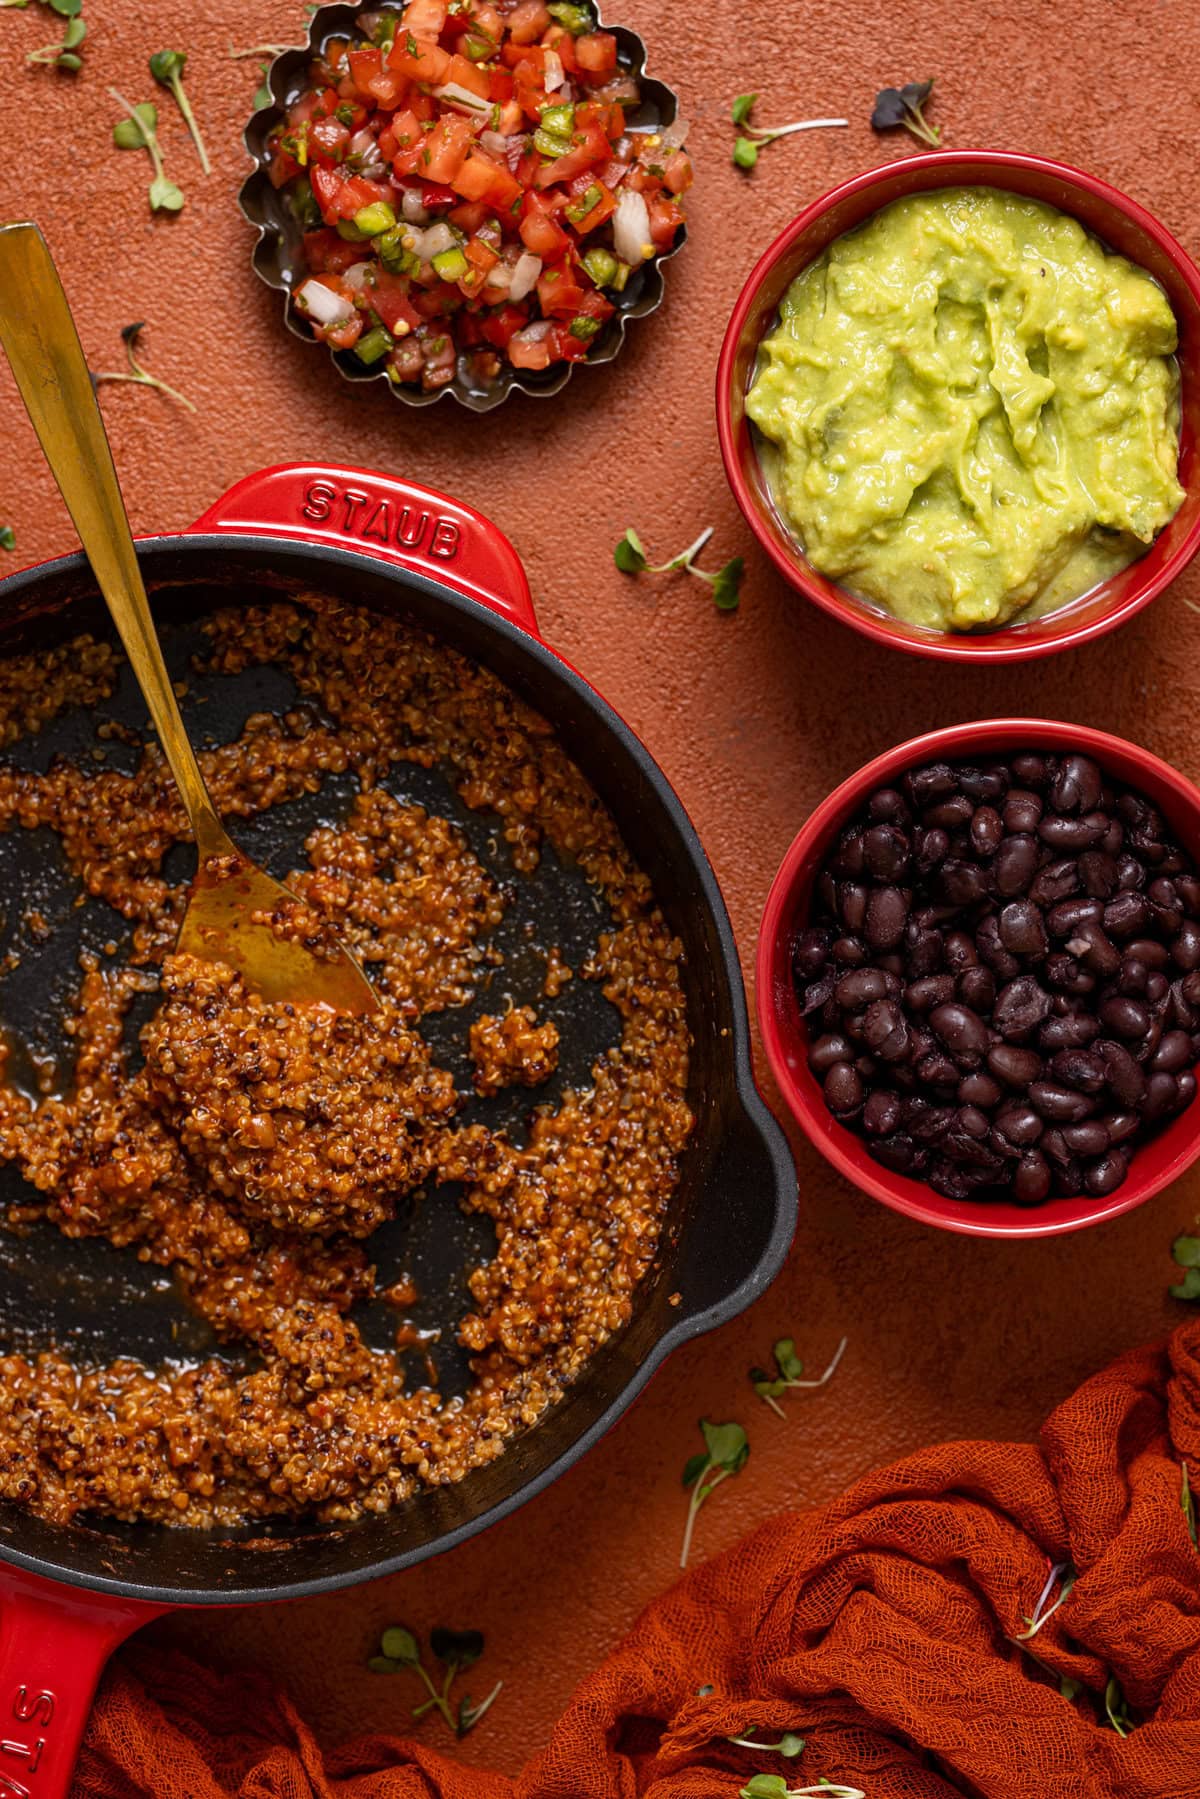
(971, 409)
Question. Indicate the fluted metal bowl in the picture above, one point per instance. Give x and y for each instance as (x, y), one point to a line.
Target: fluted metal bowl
(277, 252)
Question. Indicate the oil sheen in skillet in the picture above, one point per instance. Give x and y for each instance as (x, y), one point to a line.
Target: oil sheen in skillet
(970, 410)
(259, 1154)
(1001, 978)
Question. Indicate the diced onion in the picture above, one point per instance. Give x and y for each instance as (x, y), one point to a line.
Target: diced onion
(524, 276)
(533, 334)
(357, 274)
(495, 143)
(412, 207)
(322, 304)
(675, 136)
(631, 228)
(428, 244)
(455, 95)
(554, 75)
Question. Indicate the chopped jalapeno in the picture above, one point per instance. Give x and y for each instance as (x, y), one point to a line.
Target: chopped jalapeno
(575, 19)
(558, 121)
(374, 344)
(547, 144)
(587, 202)
(349, 230)
(451, 265)
(584, 328)
(376, 218)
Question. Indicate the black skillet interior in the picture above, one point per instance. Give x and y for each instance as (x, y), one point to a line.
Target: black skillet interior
(735, 1205)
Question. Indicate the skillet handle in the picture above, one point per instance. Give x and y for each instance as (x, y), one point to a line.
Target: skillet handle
(386, 517)
(54, 1642)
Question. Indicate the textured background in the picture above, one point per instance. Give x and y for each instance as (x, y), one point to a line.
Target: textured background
(754, 716)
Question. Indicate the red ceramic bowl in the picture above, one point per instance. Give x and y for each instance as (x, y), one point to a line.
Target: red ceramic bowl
(1124, 226)
(785, 1035)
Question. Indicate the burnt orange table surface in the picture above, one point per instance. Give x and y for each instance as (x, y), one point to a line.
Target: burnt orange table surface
(753, 716)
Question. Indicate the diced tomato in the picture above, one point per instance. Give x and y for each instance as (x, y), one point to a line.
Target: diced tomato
(500, 87)
(560, 294)
(597, 53)
(417, 59)
(539, 232)
(525, 352)
(444, 149)
(345, 335)
(610, 118)
(599, 211)
(499, 326)
(436, 196)
(327, 140)
(468, 215)
(566, 346)
(327, 253)
(595, 305)
(401, 137)
(590, 148)
(283, 166)
(677, 172)
(481, 256)
(562, 43)
(480, 178)
(665, 219)
(363, 65)
(340, 195)
(465, 73)
(391, 299)
(528, 20)
(424, 18)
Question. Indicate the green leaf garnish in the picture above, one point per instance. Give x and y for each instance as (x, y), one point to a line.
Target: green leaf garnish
(745, 154)
(629, 555)
(771, 1388)
(132, 133)
(726, 585)
(456, 1650)
(1115, 1708)
(725, 1451)
(167, 68)
(1187, 1501)
(742, 107)
(134, 372)
(8, 538)
(138, 131)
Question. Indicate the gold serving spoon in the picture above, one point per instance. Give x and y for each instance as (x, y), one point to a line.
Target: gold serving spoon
(42, 345)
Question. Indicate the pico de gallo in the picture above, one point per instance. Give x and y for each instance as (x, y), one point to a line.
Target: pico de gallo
(468, 187)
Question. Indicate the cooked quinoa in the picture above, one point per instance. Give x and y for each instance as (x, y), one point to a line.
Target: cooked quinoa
(256, 1147)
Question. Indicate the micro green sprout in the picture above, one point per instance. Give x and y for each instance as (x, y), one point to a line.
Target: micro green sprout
(136, 373)
(137, 131)
(790, 1368)
(753, 138)
(167, 68)
(1043, 1613)
(774, 1786)
(630, 557)
(1186, 1251)
(456, 1650)
(903, 107)
(725, 1451)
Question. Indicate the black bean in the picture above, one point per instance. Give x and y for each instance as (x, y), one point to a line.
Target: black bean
(987, 830)
(1020, 1008)
(1185, 951)
(1066, 975)
(1098, 872)
(1068, 1179)
(976, 988)
(885, 1030)
(1121, 1125)
(1016, 1067)
(972, 1121)
(1063, 1105)
(899, 1153)
(816, 994)
(1131, 873)
(931, 848)
(1087, 1139)
(1076, 785)
(922, 950)
(930, 991)
(1072, 1030)
(1031, 1181)
(926, 1121)
(960, 883)
(1057, 880)
(936, 1070)
(810, 953)
(1188, 888)
(959, 951)
(1090, 944)
(1173, 1053)
(1158, 1099)
(1127, 915)
(1053, 1145)
(1126, 1082)
(843, 1089)
(1066, 918)
(1185, 1089)
(886, 917)
(979, 1090)
(881, 1113)
(1014, 865)
(1079, 1068)
(848, 858)
(1023, 929)
(1132, 977)
(1124, 1017)
(849, 952)
(1019, 1124)
(858, 988)
(1060, 833)
(1030, 769)
(1149, 951)
(950, 814)
(988, 784)
(1157, 987)
(827, 1050)
(1022, 810)
(852, 904)
(1105, 1175)
(934, 782)
(962, 1031)
(1002, 962)
(885, 852)
(888, 804)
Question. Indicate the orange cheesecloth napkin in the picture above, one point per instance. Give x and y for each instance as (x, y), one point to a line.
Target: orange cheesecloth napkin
(879, 1628)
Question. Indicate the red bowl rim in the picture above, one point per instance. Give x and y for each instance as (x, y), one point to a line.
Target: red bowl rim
(971, 167)
(914, 1198)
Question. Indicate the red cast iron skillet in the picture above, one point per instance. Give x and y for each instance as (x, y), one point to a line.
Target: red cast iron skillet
(785, 1035)
(1111, 216)
(68, 1595)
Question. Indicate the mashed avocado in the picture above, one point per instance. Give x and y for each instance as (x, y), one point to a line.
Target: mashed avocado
(971, 409)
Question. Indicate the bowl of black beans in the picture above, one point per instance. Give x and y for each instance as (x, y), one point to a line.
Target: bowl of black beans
(979, 977)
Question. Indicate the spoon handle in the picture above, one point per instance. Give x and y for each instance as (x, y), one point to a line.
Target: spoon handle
(42, 345)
